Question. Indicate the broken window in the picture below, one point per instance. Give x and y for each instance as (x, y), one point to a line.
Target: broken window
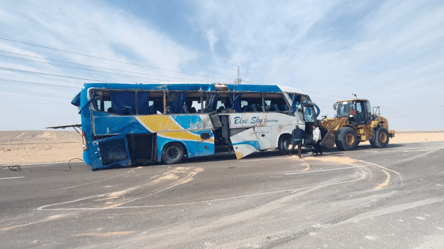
(184, 103)
(251, 102)
(296, 102)
(128, 102)
(175, 103)
(275, 102)
(235, 101)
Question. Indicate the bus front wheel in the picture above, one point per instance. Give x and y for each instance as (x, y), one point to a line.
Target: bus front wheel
(173, 153)
(284, 142)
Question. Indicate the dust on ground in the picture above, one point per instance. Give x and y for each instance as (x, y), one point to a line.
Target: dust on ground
(27, 147)
(333, 159)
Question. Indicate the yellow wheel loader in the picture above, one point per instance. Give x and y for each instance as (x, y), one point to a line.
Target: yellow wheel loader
(353, 123)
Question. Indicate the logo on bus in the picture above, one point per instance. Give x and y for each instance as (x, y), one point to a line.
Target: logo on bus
(254, 120)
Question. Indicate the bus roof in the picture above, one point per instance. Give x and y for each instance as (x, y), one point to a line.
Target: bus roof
(196, 86)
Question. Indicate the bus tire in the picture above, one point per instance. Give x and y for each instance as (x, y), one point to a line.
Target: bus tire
(346, 138)
(173, 153)
(284, 142)
(381, 138)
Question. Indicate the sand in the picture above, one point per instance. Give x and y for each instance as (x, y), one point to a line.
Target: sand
(28, 147)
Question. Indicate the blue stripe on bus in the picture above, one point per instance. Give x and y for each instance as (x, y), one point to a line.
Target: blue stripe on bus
(253, 143)
(189, 121)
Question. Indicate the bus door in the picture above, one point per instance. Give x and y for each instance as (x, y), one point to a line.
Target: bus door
(111, 151)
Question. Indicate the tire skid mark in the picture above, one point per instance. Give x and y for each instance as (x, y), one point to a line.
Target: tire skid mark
(358, 175)
(101, 180)
(277, 203)
(306, 164)
(120, 233)
(385, 183)
(113, 195)
(168, 176)
(50, 218)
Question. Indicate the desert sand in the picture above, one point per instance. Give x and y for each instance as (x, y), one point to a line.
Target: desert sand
(29, 147)
(26, 147)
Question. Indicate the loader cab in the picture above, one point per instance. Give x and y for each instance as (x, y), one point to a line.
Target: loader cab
(357, 110)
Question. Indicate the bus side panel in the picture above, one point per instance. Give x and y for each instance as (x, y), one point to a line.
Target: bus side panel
(280, 123)
(116, 125)
(85, 117)
(258, 119)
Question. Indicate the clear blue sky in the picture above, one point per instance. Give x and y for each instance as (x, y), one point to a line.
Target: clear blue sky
(390, 52)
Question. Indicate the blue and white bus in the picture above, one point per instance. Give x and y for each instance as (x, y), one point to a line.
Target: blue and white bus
(130, 124)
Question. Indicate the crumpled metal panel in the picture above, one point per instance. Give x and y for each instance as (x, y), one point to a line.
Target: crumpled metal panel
(96, 158)
(115, 125)
(245, 143)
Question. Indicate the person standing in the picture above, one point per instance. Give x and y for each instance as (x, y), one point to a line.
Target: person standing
(298, 135)
(317, 139)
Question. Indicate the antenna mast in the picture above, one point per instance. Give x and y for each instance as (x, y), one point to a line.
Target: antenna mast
(238, 79)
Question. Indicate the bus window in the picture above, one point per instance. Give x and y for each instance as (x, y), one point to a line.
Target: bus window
(275, 102)
(106, 105)
(116, 102)
(175, 103)
(251, 102)
(296, 102)
(184, 103)
(124, 102)
(210, 102)
(224, 105)
(305, 98)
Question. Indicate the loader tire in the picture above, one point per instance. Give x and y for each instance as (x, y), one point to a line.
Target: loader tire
(346, 138)
(381, 138)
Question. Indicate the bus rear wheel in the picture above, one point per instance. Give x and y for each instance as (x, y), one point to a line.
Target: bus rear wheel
(173, 153)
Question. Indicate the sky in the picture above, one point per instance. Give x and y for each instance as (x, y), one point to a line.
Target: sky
(390, 52)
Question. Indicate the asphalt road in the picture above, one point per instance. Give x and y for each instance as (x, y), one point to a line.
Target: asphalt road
(368, 198)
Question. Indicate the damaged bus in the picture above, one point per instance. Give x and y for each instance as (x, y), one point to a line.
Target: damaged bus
(129, 124)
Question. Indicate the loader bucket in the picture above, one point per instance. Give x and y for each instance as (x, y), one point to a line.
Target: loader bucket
(329, 140)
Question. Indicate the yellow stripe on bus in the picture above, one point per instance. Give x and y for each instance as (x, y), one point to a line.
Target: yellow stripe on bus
(156, 123)
(159, 123)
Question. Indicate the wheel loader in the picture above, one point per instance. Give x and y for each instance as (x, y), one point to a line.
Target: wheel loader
(353, 123)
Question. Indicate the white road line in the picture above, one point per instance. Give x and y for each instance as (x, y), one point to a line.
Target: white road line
(11, 177)
(315, 171)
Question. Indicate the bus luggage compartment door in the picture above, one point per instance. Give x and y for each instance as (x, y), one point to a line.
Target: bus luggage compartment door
(263, 135)
(245, 143)
(112, 151)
